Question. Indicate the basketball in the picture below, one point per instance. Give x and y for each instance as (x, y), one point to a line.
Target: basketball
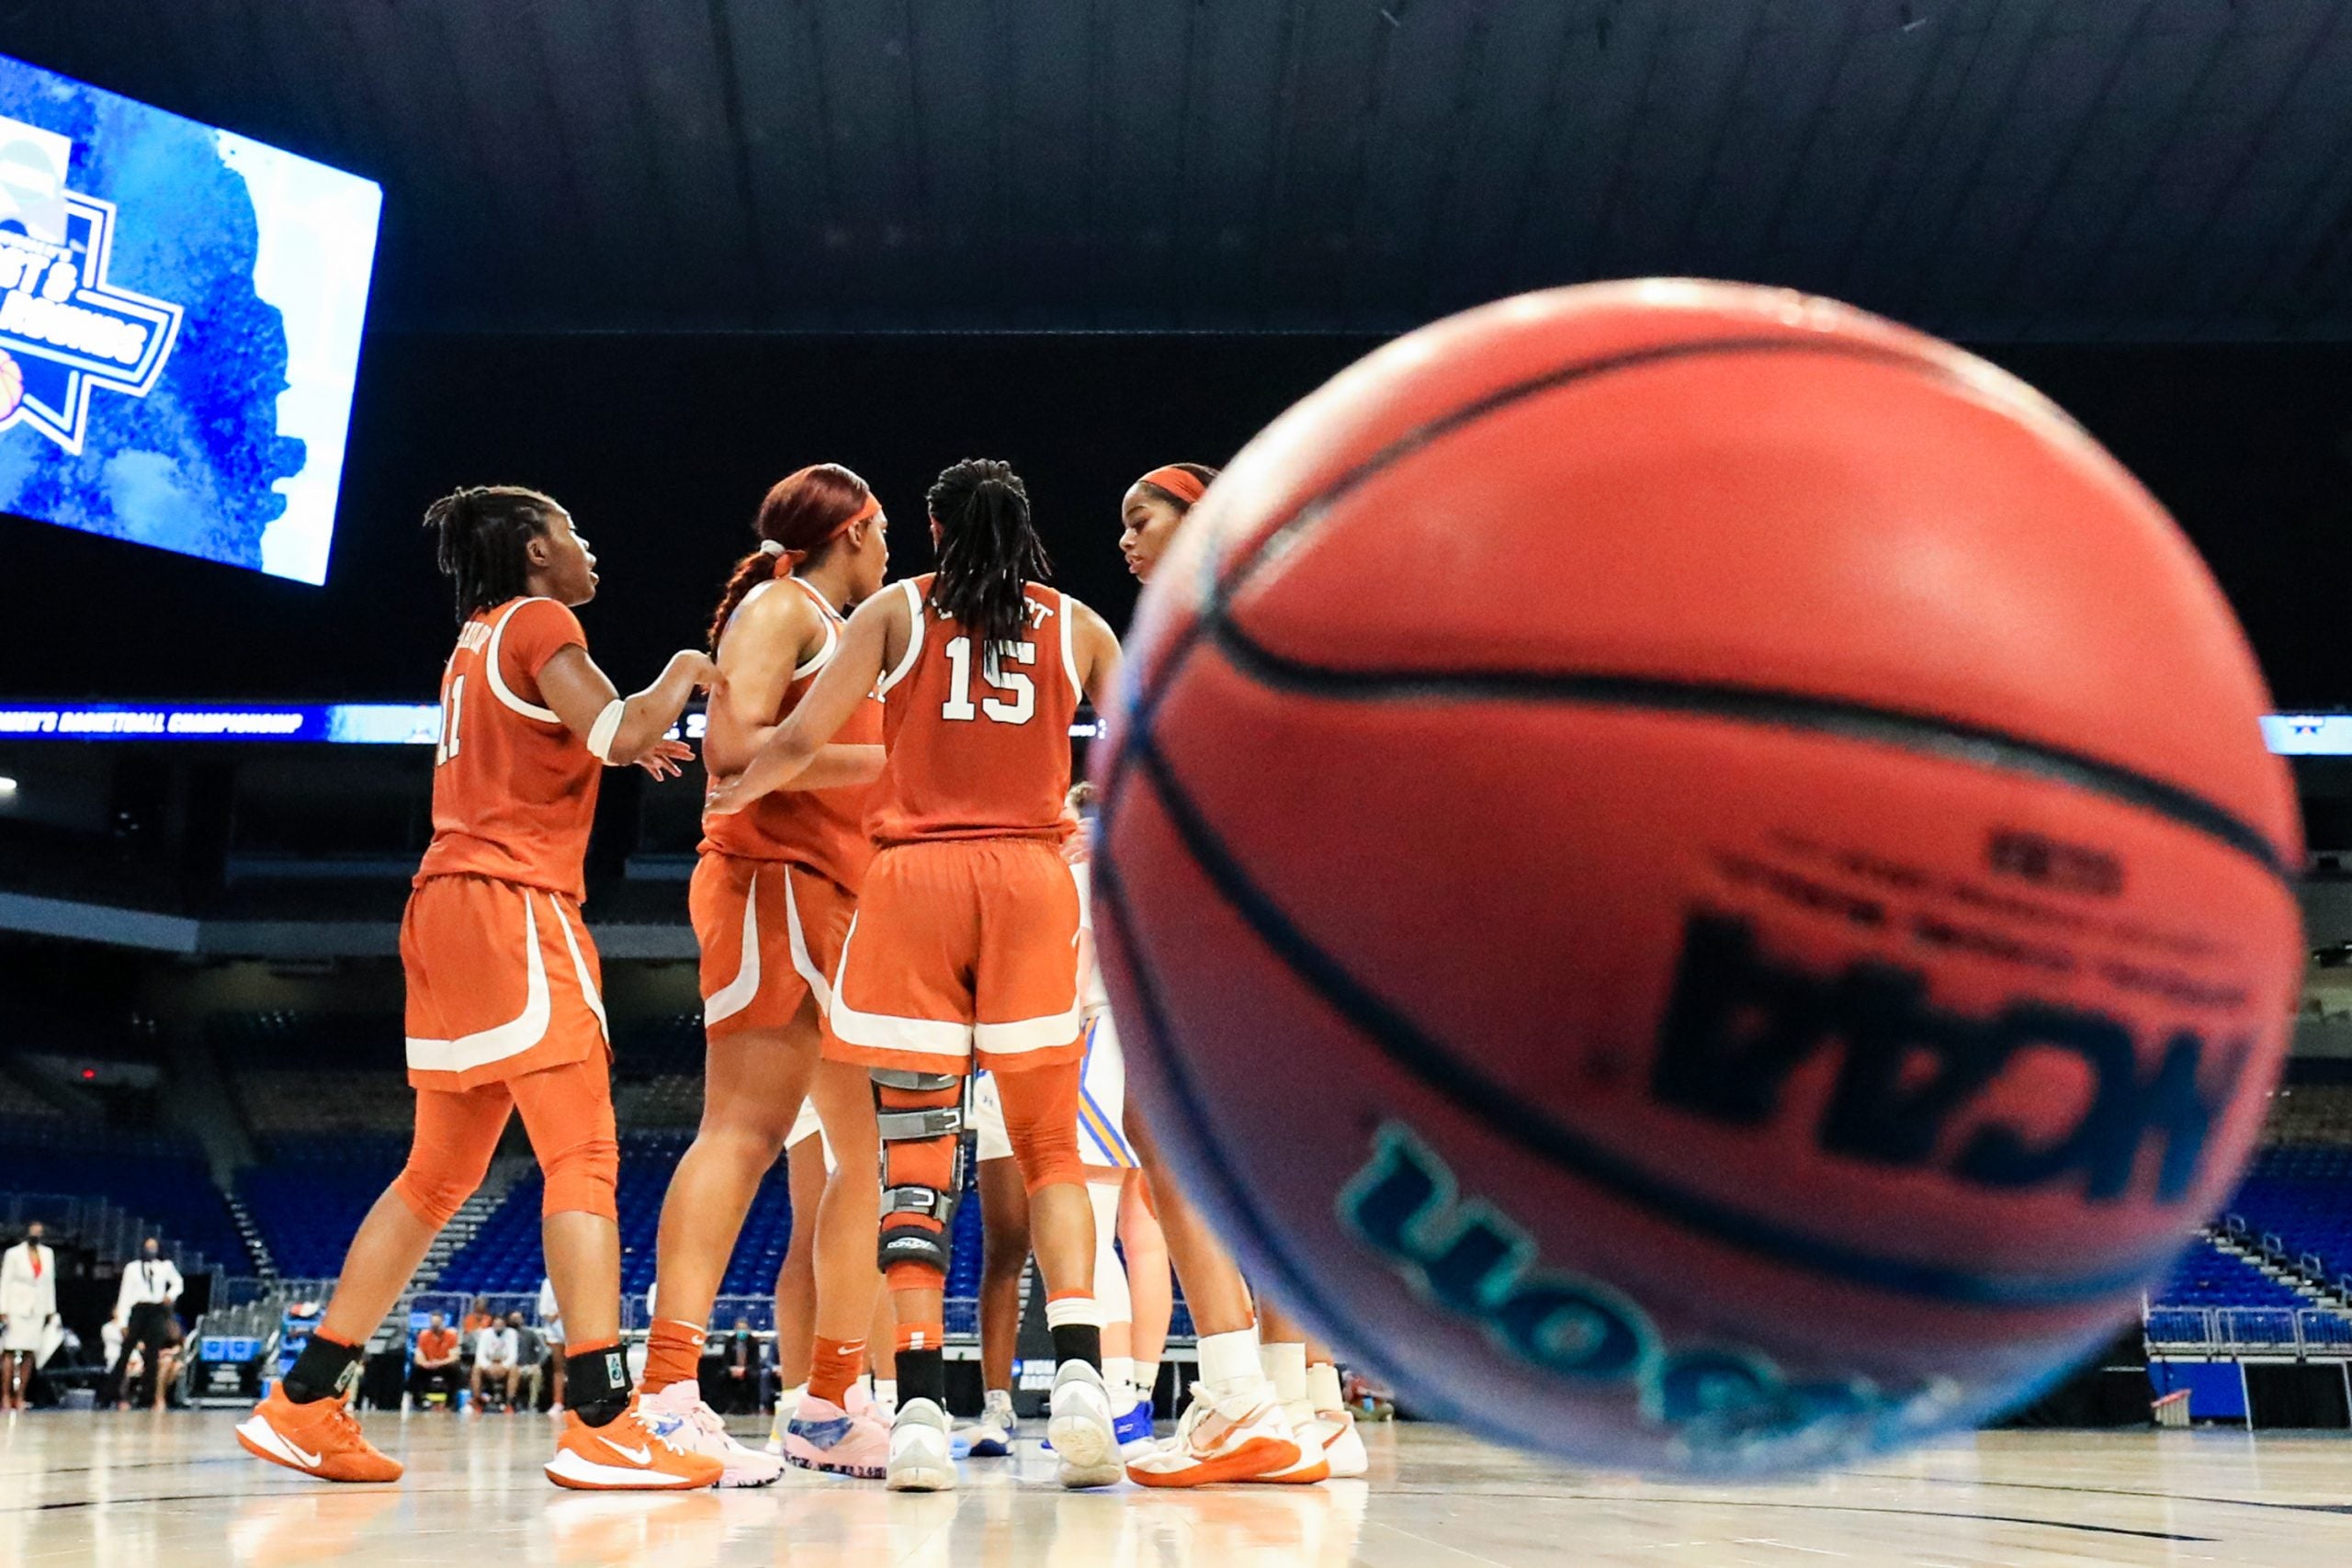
(1749, 832)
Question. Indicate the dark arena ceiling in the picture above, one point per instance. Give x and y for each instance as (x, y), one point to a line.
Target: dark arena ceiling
(1994, 170)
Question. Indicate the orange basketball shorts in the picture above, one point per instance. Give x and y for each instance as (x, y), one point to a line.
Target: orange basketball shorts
(502, 980)
(961, 948)
(769, 933)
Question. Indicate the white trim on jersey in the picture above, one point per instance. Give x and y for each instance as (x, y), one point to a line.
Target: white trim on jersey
(498, 686)
(914, 642)
(1069, 654)
(512, 1038)
(824, 655)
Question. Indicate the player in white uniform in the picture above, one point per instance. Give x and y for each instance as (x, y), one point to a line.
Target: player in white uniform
(1102, 1145)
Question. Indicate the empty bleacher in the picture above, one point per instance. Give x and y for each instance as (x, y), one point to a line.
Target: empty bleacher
(505, 1254)
(309, 1196)
(155, 1175)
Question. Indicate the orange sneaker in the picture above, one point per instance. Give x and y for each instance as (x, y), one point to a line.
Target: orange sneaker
(320, 1438)
(1247, 1437)
(638, 1451)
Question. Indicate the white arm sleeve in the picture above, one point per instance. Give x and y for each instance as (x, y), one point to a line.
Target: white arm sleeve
(607, 726)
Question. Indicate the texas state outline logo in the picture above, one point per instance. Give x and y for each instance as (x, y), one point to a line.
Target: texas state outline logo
(65, 330)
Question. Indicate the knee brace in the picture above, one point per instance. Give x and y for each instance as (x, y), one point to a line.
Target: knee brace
(920, 1117)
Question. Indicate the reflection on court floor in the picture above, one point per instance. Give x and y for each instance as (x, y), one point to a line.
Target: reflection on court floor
(141, 1489)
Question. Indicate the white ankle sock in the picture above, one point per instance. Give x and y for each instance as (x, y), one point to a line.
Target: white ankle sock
(1323, 1387)
(886, 1392)
(1119, 1382)
(1285, 1367)
(1229, 1362)
(1147, 1378)
(789, 1400)
(998, 1399)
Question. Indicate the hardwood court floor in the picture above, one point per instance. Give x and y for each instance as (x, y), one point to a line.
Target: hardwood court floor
(174, 1489)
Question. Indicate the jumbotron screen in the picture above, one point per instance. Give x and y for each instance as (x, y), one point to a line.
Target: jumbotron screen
(180, 311)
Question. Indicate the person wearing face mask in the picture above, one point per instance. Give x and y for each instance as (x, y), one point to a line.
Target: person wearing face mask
(27, 1309)
(151, 1287)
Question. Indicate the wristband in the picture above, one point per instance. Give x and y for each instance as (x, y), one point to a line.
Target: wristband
(607, 726)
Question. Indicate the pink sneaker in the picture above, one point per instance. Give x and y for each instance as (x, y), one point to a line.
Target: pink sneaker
(822, 1436)
(700, 1430)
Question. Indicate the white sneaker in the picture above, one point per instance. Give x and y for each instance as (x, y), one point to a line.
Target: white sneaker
(701, 1431)
(1085, 1438)
(1244, 1437)
(1334, 1432)
(991, 1435)
(920, 1458)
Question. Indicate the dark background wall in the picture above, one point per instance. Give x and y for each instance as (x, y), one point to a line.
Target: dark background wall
(663, 444)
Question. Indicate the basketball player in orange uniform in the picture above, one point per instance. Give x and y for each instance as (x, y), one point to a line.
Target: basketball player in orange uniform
(772, 896)
(966, 942)
(1244, 1362)
(503, 1008)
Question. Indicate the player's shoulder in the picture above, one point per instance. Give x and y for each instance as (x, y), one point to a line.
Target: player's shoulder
(773, 607)
(549, 621)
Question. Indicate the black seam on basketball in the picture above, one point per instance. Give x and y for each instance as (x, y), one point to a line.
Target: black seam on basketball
(1947, 739)
(1218, 589)
(1256, 1231)
(1506, 1113)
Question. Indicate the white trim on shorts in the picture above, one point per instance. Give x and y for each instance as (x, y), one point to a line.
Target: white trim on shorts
(740, 993)
(528, 1027)
(886, 1031)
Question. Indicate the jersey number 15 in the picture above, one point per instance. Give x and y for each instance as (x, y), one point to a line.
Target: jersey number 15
(1017, 697)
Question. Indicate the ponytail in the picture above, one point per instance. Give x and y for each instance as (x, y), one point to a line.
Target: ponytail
(988, 550)
(481, 538)
(802, 514)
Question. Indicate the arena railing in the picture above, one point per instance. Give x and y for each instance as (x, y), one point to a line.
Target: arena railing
(2305, 1333)
(101, 1224)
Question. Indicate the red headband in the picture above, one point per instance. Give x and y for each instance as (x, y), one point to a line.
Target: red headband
(788, 559)
(1182, 483)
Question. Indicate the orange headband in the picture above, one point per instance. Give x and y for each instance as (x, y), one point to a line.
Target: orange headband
(1182, 483)
(788, 559)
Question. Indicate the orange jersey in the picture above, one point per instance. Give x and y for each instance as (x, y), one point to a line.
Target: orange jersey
(514, 790)
(978, 740)
(823, 830)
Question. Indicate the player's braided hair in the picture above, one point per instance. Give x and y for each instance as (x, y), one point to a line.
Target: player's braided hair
(987, 549)
(480, 535)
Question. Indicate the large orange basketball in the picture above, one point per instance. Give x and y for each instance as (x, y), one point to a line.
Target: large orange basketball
(1691, 875)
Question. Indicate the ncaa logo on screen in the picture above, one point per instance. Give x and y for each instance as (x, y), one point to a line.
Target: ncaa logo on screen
(65, 331)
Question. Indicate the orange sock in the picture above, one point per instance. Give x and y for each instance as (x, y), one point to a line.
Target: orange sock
(920, 1337)
(672, 1354)
(834, 1365)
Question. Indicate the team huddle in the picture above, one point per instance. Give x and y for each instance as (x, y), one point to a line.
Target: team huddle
(890, 898)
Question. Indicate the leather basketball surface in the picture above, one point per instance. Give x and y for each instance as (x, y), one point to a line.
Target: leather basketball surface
(1692, 876)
